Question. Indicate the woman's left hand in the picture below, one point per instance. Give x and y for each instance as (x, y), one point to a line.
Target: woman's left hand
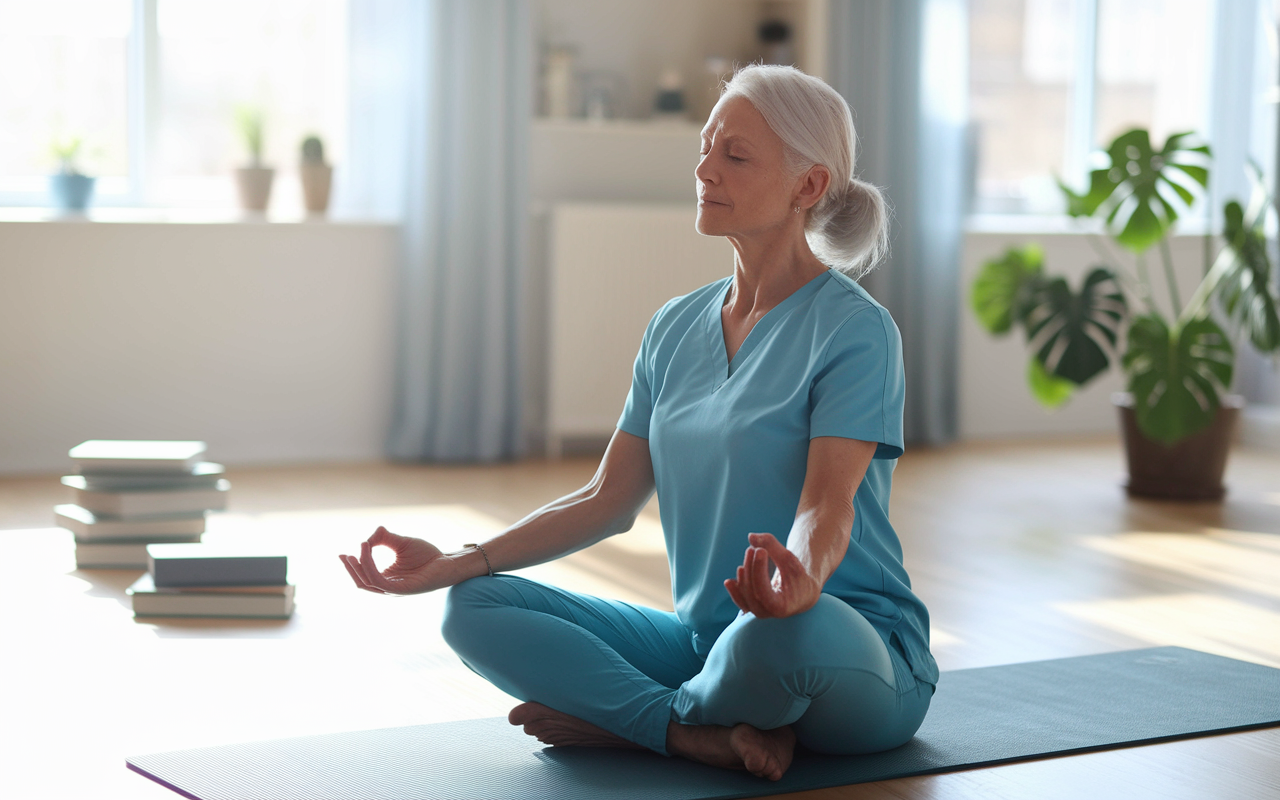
(790, 591)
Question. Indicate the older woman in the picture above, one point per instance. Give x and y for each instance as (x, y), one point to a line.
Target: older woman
(766, 411)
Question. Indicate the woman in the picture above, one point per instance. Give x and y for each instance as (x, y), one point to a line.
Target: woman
(766, 411)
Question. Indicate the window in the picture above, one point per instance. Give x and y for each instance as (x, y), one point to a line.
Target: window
(63, 74)
(1053, 80)
(152, 88)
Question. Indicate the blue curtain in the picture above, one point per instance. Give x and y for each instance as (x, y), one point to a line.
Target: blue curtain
(902, 66)
(441, 101)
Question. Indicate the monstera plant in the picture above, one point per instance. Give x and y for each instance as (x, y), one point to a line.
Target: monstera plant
(1179, 359)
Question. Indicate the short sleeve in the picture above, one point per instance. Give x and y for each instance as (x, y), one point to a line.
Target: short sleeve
(858, 391)
(639, 407)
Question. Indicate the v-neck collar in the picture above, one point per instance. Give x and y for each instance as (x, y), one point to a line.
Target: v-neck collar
(724, 368)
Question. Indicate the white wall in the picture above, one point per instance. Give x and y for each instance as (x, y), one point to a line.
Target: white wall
(272, 342)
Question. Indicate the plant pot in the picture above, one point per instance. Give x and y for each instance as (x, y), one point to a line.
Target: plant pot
(1190, 469)
(254, 184)
(71, 191)
(316, 179)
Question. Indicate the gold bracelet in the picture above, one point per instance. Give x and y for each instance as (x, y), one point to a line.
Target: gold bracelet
(487, 565)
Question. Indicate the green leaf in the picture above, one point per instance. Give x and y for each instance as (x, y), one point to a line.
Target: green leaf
(1050, 390)
(1001, 289)
(1245, 289)
(1083, 205)
(1075, 334)
(1176, 377)
(1134, 189)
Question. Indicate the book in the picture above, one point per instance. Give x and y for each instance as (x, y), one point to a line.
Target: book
(179, 565)
(223, 601)
(204, 475)
(126, 554)
(140, 504)
(89, 527)
(97, 455)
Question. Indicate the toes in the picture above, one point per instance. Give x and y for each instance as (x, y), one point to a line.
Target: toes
(525, 712)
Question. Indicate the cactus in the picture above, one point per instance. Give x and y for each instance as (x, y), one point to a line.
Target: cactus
(312, 150)
(249, 119)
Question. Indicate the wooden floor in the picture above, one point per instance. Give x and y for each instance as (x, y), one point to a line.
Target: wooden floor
(1021, 551)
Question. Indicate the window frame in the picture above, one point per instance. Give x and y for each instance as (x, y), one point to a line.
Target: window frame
(1228, 127)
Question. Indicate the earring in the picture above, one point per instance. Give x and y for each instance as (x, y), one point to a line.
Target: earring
(797, 209)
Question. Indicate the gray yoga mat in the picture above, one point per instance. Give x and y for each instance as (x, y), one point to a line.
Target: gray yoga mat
(983, 716)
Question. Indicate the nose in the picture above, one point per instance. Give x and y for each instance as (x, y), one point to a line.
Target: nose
(703, 172)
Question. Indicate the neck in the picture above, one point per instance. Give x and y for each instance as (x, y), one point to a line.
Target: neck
(767, 269)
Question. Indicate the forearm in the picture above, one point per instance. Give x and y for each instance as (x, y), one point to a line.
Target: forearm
(571, 523)
(820, 538)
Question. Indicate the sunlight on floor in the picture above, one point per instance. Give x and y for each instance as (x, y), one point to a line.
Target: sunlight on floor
(1242, 560)
(1199, 621)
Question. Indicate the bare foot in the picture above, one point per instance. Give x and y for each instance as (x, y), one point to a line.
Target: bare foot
(562, 730)
(765, 754)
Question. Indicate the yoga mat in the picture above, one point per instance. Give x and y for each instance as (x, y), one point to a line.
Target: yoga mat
(984, 716)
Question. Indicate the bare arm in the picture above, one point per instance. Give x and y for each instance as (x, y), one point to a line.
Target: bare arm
(608, 504)
(819, 536)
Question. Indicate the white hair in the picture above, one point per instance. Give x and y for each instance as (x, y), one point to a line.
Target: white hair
(847, 229)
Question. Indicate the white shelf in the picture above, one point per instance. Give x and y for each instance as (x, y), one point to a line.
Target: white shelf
(640, 127)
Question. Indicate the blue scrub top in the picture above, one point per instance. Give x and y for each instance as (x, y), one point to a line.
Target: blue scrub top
(729, 442)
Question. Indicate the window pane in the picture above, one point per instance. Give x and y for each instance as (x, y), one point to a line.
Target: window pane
(1152, 67)
(63, 67)
(285, 57)
(1022, 62)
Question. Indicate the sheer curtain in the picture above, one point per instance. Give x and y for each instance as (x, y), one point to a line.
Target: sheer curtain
(902, 66)
(442, 96)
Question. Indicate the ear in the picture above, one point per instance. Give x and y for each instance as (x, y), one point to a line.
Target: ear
(811, 186)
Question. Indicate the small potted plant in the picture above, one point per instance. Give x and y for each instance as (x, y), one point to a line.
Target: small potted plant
(1177, 416)
(71, 189)
(253, 180)
(316, 175)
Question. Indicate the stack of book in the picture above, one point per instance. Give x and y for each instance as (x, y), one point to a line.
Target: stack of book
(129, 494)
(201, 580)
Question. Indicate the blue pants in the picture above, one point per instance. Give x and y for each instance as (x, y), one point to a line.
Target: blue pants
(631, 670)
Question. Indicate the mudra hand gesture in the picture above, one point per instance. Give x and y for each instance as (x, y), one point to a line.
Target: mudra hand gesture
(791, 590)
(419, 565)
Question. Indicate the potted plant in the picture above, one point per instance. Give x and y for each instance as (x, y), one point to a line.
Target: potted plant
(254, 180)
(1177, 416)
(71, 189)
(316, 175)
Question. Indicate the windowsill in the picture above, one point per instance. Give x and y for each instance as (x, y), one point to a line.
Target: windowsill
(1056, 224)
(196, 216)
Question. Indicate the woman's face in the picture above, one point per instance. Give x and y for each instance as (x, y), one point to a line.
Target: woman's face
(743, 187)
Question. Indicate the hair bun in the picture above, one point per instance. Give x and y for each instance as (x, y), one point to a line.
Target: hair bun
(849, 230)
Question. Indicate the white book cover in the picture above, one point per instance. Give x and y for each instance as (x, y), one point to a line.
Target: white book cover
(87, 526)
(151, 602)
(97, 455)
(204, 475)
(129, 554)
(148, 503)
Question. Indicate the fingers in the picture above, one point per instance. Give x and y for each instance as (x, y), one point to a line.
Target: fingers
(369, 570)
(787, 562)
(735, 594)
(766, 596)
(750, 589)
(382, 536)
(357, 575)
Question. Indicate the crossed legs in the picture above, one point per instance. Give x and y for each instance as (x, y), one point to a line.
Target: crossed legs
(596, 672)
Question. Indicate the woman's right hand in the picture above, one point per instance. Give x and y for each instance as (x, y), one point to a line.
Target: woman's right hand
(419, 566)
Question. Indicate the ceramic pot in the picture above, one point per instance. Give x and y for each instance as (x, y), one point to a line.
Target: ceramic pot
(1189, 469)
(316, 180)
(71, 191)
(254, 184)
